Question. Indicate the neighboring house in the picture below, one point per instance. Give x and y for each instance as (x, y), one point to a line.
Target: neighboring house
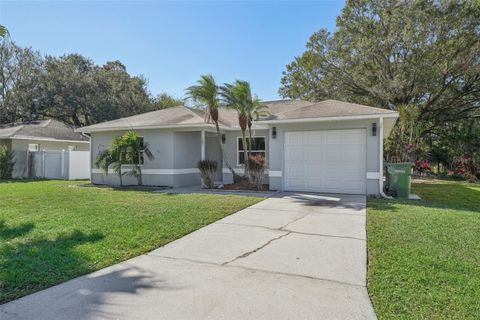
(330, 146)
(27, 139)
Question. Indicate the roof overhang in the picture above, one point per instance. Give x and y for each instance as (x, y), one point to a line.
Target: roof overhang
(326, 119)
(168, 126)
(44, 139)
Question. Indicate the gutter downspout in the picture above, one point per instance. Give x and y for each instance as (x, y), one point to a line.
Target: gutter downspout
(380, 176)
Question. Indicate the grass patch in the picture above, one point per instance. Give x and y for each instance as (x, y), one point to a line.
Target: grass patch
(52, 231)
(424, 256)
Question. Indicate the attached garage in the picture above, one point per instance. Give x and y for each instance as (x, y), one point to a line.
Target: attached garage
(332, 161)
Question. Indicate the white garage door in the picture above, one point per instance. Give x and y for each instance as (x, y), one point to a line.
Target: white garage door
(326, 161)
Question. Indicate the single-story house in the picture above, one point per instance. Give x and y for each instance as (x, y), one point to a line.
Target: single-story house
(329, 146)
(24, 138)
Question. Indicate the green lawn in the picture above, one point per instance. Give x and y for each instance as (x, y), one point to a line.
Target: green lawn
(424, 256)
(52, 231)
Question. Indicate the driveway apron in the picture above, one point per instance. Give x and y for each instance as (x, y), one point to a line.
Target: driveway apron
(293, 256)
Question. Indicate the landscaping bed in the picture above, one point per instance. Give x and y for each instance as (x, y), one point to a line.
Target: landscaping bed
(245, 185)
(424, 256)
(52, 231)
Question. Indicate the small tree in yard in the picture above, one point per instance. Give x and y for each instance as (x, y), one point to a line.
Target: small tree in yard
(256, 165)
(6, 162)
(135, 151)
(126, 149)
(207, 170)
(114, 156)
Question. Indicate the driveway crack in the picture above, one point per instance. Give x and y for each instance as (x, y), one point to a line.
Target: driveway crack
(246, 254)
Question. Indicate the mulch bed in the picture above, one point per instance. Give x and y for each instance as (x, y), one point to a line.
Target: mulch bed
(244, 185)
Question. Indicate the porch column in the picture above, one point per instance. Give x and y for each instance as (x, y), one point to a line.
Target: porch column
(203, 144)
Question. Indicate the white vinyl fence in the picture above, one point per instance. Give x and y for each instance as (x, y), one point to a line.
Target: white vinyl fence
(67, 165)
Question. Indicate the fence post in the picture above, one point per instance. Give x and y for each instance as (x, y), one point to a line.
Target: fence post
(63, 164)
(43, 163)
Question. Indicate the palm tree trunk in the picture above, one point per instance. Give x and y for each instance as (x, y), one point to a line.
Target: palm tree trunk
(120, 175)
(236, 177)
(140, 182)
(249, 139)
(245, 152)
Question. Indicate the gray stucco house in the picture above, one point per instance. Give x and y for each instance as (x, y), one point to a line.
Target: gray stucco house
(329, 146)
(36, 136)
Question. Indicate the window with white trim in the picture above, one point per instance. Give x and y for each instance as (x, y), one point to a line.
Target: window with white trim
(258, 148)
(33, 147)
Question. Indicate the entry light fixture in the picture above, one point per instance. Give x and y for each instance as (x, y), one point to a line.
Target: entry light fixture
(374, 129)
(224, 138)
(274, 132)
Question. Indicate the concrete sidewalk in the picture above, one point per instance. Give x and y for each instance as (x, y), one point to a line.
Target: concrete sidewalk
(294, 256)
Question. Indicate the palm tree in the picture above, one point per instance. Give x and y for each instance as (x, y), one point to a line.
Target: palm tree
(238, 96)
(135, 150)
(206, 93)
(256, 110)
(113, 156)
(3, 31)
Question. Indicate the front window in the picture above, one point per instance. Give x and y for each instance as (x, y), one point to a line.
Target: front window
(258, 148)
(33, 147)
(134, 158)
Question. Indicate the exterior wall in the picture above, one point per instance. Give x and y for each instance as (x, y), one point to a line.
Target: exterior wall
(277, 152)
(213, 152)
(231, 153)
(176, 154)
(20, 147)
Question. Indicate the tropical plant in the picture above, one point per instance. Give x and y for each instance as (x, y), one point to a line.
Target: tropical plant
(256, 110)
(114, 156)
(3, 31)
(206, 92)
(6, 162)
(135, 151)
(207, 170)
(256, 172)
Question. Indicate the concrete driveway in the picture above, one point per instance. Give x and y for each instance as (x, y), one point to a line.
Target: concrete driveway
(295, 256)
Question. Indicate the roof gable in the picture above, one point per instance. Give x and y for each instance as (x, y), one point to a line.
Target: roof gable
(42, 129)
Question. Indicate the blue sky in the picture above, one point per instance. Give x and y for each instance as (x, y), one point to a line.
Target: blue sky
(172, 43)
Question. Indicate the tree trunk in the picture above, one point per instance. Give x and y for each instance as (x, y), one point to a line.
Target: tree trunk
(120, 175)
(236, 177)
(140, 182)
(245, 152)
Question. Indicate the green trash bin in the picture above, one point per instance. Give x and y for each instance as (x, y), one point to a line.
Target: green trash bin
(399, 177)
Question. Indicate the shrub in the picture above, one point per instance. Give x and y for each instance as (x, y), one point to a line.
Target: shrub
(466, 167)
(422, 167)
(207, 170)
(256, 171)
(6, 162)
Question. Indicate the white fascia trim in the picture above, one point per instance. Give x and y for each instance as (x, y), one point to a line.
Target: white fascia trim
(46, 139)
(326, 119)
(373, 175)
(237, 170)
(275, 174)
(172, 126)
(157, 171)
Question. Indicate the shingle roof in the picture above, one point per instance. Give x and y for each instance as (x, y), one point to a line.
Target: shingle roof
(50, 129)
(328, 108)
(179, 115)
(279, 110)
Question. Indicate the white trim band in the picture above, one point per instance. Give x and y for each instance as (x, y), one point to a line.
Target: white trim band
(157, 171)
(373, 175)
(275, 174)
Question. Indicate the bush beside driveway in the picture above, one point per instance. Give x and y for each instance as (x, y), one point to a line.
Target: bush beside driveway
(424, 256)
(52, 231)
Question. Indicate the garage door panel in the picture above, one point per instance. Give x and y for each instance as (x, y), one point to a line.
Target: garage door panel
(326, 161)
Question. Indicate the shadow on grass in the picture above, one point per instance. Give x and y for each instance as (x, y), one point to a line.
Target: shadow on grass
(28, 265)
(436, 195)
(7, 233)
